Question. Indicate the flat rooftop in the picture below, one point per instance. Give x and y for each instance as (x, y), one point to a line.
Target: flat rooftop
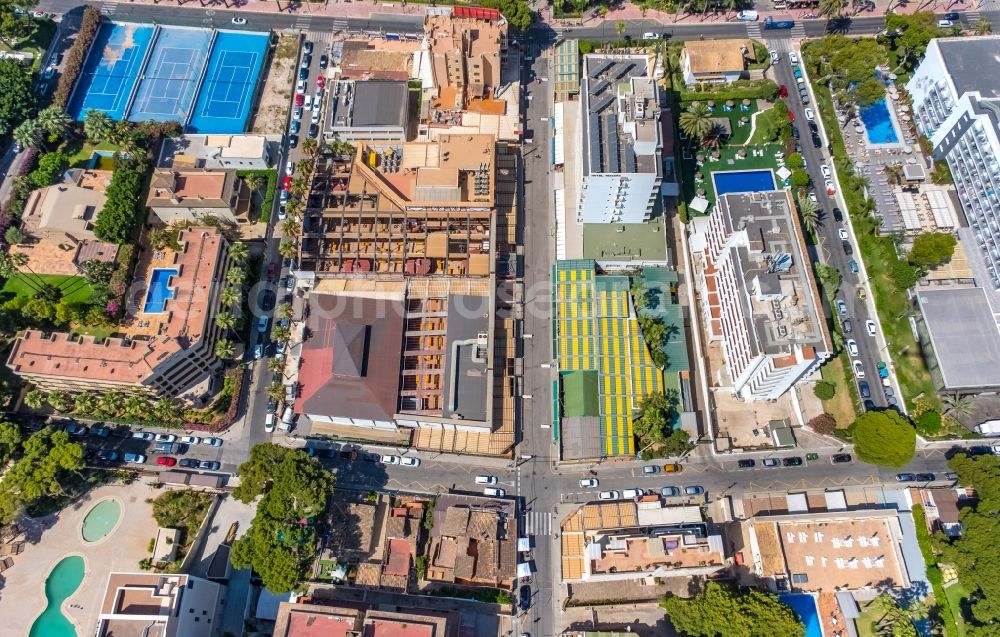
(467, 358)
(625, 241)
(367, 104)
(973, 63)
(964, 334)
(192, 151)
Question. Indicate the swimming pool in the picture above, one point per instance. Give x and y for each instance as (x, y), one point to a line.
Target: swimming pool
(878, 124)
(62, 582)
(805, 606)
(101, 520)
(159, 292)
(742, 181)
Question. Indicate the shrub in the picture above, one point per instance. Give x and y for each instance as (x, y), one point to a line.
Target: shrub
(824, 424)
(825, 390)
(929, 422)
(738, 90)
(123, 208)
(77, 54)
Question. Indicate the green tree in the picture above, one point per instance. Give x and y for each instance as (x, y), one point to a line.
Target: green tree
(229, 297)
(55, 121)
(11, 264)
(825, 390)
(696, 121)
(290, 227)
(97, 126)
(34, 399)
(225, 321)
(794, 161)
(14, 236)
(10, 441)
(14, 25)
(292, 488)
(929, 422)
(287, 249)
(238, 253)
(275, 365)
(982, 26)
(959, 404)
(829, 277)
(903, 274)
(657, 412)
(224, 349)
(800, 178)
(884, 438)
(284, 310)
(85, 403)
(275, 391)
(868, 92)
(931, 249)
(717, 611)
(832, 8)
(236, 276)
(280, 334)
(17, 95)
(309, 147)
(98, 272)
(51, 167)
(47, 459)
(811, 213)
(122, 207)
(27, 133)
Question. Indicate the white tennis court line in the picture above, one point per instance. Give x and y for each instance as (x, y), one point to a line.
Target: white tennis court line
(164, 76)
(244, 93)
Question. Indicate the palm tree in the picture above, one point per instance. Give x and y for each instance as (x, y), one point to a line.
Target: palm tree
(85, 403)
(275, 365)
(290, 227)
(304, 166)
(97, 125)
(696, 121)
(59, 400)
(713, 138)
(11, 264)
(276, 392)
(34, 399)
(286, 249)
(54, 121)
(982, 26)
(284, 310)
(811, 215)
(224, 348)
(832, 8)
(299, 188)
(620, 28)
(229, 297)
(254, 182)
(27, 133)
(238, 253)
(135, 406)
(281, 334)
(309, 147)
(225, 321)
(108, 404)
(293, 208)
(236, 276)
(959, 404)
(166, 410)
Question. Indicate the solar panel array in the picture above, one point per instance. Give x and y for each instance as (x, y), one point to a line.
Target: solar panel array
(619, 70)
(602, 102)
(598, 88)
(595, 143)
(611, 143)
(599, 66)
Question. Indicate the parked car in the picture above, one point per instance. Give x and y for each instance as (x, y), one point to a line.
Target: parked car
(307, 46)
(494, 493)
(945, 23)
(905, 477)
(840, 458)
(841, 307)
(589, 483)
(925, 477)
(323, 61)
(770, 463)
(76, 430)
(817, 142)
(649, 35)
(852, 347)
(793, 57)
(812, 196)
(870, 327)
(258, 351)
(524, 597)
(775, 57)
(670, 492)
(209, 465)
(783, 92)
(607, 495)
(791, 461)
(300, 89)
(304, 74)
(859, 368)
(672, 467)
(166, 461)
(389, 459)
(650, 469)
(189, 463)
(486, 479)
(630, 494)
(746, 464)
(830, 188)
(239, 21)
(810, 115)
(694, 490)
(848, 249)
(838, 215)
(166, 438)
(313, 130)
(848, 326)
(142, 435)
(407, 461)
(107, 455)
(135, 458)
(320, 83)
(100, 431)
(852, 265)
(191, 440)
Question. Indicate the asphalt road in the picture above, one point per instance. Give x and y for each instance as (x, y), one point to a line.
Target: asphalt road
(830, 248)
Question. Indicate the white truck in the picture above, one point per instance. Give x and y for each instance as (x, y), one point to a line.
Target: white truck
(988, 428)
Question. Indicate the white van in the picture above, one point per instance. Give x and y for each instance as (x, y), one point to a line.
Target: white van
(628, 494)
(494, 493)
(287, 419)
(486, 479)
(747, 16)
(269, 423)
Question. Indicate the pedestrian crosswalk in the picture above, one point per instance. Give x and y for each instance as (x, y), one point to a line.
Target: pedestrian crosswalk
(799, 30)
(109, 8)
(537, 523)
(753, 30)
(971, 17)
(340, 25)
(302, 23)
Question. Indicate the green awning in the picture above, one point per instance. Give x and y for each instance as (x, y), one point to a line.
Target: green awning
(580, 394)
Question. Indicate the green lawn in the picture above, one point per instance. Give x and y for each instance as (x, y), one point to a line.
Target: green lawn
(75, 288)
(956, 593)
(727, 154)
(37, 43)
(80, 156)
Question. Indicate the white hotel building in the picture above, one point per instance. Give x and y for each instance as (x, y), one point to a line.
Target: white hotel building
(757, 294)
(956, 103)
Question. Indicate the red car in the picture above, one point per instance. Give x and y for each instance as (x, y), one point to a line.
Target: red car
(784, 91)
(166, 461)
(321, 81)
(791, 116)
(299, 99)
(288, 183)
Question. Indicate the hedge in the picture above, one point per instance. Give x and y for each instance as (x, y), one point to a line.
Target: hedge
(227, 419)
(124, 206)
(76, 56)
(934, 575)
(738, 90)
(267, 205)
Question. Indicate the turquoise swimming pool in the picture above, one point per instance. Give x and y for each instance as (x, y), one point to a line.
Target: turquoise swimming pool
(100, 520)
(159, 290)
(878, 124)
(62, 582)
(805, 606)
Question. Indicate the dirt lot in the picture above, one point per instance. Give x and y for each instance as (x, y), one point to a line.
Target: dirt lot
(279, 80)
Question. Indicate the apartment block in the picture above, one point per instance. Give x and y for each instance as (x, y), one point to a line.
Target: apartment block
(757, 293)
(956, 103)
(159, 605)
(622, 140)
(169, 332)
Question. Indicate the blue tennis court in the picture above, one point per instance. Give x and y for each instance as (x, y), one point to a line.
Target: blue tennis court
(167, 87)
(226, 96)
(111, 70)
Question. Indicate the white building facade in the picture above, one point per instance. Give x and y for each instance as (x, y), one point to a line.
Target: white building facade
(956, 103)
